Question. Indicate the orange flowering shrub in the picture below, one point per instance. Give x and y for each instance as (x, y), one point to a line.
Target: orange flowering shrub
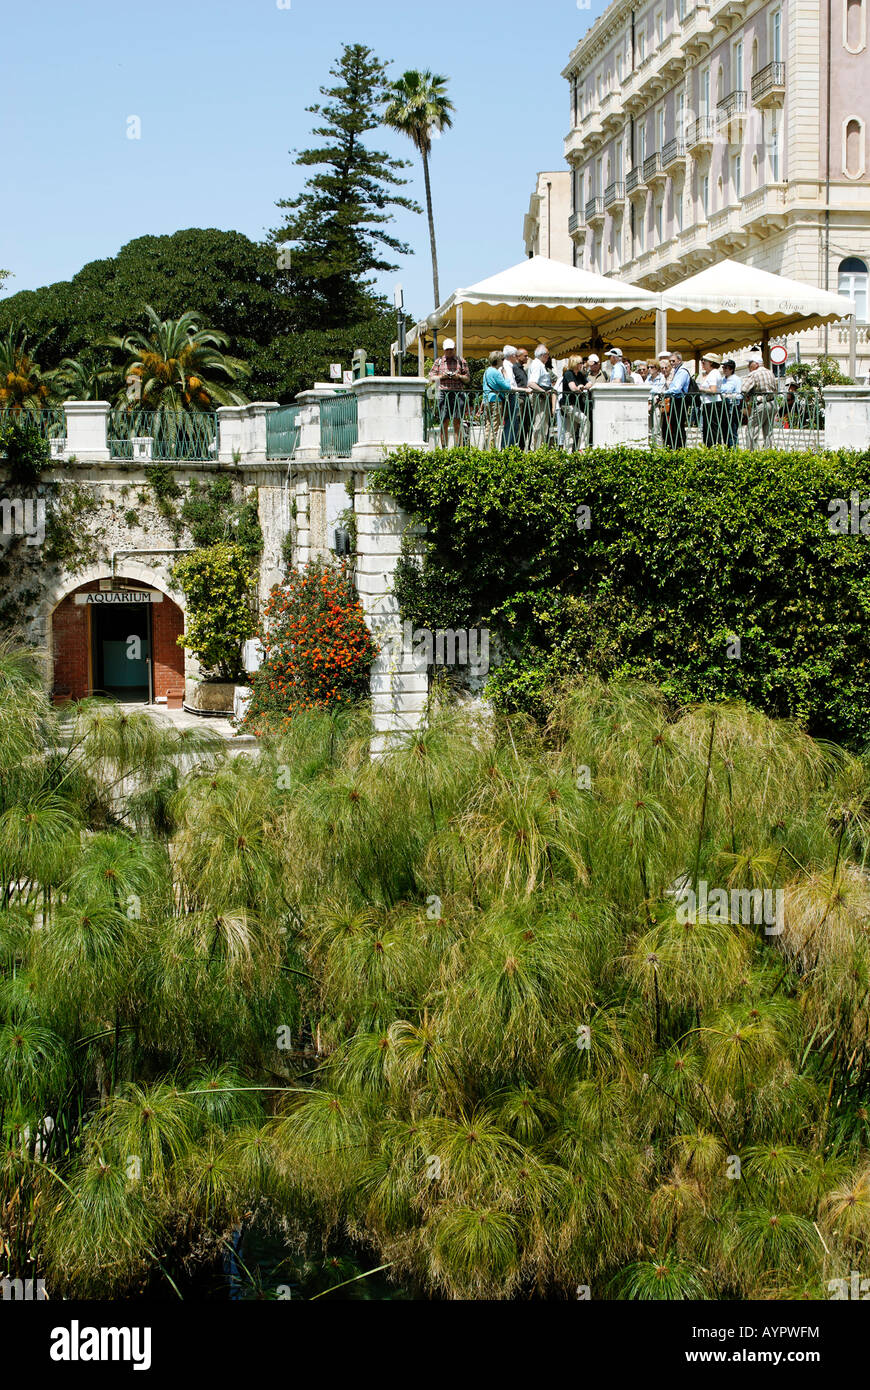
(318, 651)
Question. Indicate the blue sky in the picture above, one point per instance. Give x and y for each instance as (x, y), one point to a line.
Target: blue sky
(221, 86)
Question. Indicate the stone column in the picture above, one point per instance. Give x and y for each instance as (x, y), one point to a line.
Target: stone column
(231, 436)
(847, 417)
(87, 430)
(254, 428)
(620, 417)
(390, 416)
(308, 448)
(390, 413)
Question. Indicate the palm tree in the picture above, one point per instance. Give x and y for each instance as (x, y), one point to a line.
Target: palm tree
(418, 104)
(82, 379)
(176, 362)
(21, 384)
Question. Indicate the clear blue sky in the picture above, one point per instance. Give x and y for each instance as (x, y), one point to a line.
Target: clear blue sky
(221, 88)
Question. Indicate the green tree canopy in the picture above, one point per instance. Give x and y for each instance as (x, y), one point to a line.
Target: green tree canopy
(337, 224)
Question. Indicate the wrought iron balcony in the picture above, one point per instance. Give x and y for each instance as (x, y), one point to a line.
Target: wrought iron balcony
(633, 181)
(614, 193)
(652, 167)
(674, 152)
(595, 210)
(576, 223)
(702, 133)
(768, 86)
(735, 104)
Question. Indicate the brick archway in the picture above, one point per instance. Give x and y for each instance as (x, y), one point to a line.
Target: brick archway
(72, 644)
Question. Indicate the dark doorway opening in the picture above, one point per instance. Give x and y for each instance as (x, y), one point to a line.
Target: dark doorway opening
(122, 651)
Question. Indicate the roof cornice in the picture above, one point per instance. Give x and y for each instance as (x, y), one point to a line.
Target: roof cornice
(601, 32)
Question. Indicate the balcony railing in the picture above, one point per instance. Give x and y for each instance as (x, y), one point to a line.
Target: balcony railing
(282, 432)
(594, 209)
(49, 423)
(633, 181)
(614, 193)
(703, 132)
(673, 152)
(575, 222)
(518, 421)
(652, 167)
(339, 428)
(768, 86)
(735, 104)
(170, 436)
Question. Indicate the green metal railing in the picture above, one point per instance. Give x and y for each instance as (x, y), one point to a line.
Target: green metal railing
(176, 435)
(788, 420)
(282, 432)
(339, 427)
(49, 423)
(521, 421)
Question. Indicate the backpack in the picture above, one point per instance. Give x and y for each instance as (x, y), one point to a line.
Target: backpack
(694, 388)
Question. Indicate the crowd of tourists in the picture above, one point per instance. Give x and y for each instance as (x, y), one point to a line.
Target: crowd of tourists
(530, 400)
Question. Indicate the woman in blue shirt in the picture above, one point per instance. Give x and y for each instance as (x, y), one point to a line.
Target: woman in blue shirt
(496, 388)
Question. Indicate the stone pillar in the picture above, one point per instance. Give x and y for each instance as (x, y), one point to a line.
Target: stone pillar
(308, 448)
(399, 680)
(620, 417)
(390, 417)
(390, 413)
(847, 417)
(255, 429)
(231, 434)
(87, 430)
(302, 533)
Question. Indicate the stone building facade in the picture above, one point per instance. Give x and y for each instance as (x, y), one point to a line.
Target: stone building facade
(709, 129)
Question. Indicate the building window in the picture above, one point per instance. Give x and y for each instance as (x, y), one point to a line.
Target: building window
(853, 148)
(737, 66)
(705, 195)
(642, 144)
(704, 92)
(660, 221)
(660, 128)
(660, 28)
(680, 126)
(641, 46)
(852, 284)
(854, 25)
(677, 195)
(776, 37)
(737, 176)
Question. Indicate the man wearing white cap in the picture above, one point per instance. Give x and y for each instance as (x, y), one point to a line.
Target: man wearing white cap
(453, 378)
(708, 385)
(618, 371)
(759, 397)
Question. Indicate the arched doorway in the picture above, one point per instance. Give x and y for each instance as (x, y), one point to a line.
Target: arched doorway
(118, 638)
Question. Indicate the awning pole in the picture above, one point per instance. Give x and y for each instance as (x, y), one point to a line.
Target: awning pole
(421, 350)
(459, 330)
(853, 347)
(661, 330)
(765, 347)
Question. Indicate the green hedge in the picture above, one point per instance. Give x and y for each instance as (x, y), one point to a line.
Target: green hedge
(684, 552)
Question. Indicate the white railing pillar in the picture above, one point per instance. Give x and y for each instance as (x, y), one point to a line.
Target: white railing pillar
(620, 417)
(231, 435)
(390, 413)
(847, 417)
(308, 448)
(254, 430)
(87, 432)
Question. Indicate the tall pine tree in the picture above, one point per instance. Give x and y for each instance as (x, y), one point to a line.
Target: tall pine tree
(337, 223)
